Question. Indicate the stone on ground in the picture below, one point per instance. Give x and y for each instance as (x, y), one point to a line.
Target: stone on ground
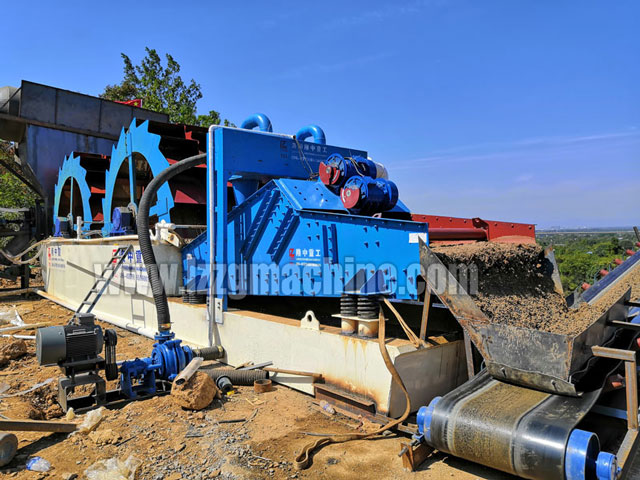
(195, 394)
(11, 350)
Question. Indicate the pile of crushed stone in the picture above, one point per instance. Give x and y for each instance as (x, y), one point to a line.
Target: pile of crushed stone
(515, 287)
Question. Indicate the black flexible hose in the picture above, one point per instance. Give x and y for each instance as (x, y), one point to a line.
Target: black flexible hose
(237, 377)
(209, 353)
(144, 238)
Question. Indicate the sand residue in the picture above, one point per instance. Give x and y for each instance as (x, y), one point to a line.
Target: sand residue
(515, 287)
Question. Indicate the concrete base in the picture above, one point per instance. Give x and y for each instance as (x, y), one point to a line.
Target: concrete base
(351, 364)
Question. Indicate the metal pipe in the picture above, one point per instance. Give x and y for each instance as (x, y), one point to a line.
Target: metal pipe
(614, 353)
(94, 241)
(255, 367)
(78, 227)
(211, 193)
(312, 131)
(177, 227)
(286, 371)
(259, 120)
(188, 371)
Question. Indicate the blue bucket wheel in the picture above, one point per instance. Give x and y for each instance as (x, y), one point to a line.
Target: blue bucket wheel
(136, 143)
(143, 151)
(71, 175)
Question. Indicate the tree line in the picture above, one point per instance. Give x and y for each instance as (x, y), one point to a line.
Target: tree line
(581, 256)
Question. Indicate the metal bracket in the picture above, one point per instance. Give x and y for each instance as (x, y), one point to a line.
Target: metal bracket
(413, 456)
(68, 384)
(628, 446)
(218, 312)
(309, 321)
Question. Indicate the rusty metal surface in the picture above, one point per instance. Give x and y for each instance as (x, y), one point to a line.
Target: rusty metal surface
(349, 402)
(414, 456)
(455, 228)
(534, 358)
(358, 414)
(627, 456)
(262, 385)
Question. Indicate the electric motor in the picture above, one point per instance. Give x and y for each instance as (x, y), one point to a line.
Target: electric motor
(122, 221)
(366, 195)
(62, 227)
(62, 344)
(336, 170)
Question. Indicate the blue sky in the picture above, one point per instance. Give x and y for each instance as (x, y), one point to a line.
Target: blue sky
(515, 110)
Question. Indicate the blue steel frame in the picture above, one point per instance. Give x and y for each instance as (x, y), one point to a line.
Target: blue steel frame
(295, 238)
(245, 153)
(263, 156)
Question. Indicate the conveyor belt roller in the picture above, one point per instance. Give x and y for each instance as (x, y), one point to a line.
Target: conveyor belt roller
(515, 429)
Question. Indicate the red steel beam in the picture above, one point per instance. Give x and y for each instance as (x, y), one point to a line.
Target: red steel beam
(456, 228)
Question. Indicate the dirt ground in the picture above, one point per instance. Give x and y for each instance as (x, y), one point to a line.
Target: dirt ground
(515, 288)
(268, 429)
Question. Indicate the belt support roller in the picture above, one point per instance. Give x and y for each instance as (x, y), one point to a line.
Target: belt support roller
(517, 430)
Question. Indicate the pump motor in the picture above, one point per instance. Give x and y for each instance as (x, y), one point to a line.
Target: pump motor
(76, 347)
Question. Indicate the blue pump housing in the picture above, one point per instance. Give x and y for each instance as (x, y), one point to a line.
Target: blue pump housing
(168, 357)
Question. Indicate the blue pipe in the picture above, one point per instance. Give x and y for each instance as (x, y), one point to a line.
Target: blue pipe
(259, 120)
(312, 131)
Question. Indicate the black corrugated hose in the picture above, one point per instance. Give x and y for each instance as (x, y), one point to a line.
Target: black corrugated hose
(142, 222)
(237, 377)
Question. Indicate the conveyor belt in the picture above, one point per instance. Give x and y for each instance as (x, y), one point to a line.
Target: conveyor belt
(508, 427)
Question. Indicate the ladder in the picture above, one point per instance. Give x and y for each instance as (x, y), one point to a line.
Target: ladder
(105, 277)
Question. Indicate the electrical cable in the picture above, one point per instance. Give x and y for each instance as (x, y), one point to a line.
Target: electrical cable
(303, 459)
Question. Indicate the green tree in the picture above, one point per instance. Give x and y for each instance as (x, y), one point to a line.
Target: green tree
(13, 193)
(162, 89)
(580, 257)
